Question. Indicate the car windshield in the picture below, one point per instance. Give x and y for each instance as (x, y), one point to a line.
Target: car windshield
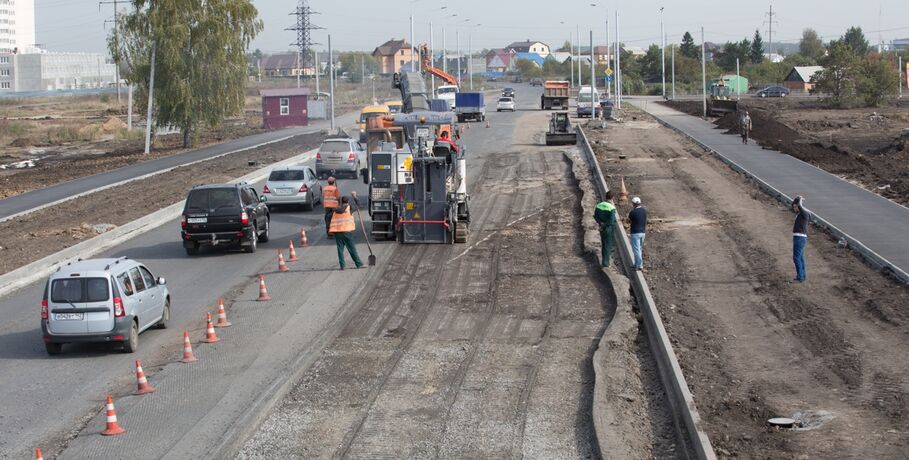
(447, 90)
(584, 97)
(335, 147)
(80, 290)
(212, 198)
(367, 116)
(287, 175)
(504, 99)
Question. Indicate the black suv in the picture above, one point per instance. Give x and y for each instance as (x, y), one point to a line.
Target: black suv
(230, 215)
(508, 92)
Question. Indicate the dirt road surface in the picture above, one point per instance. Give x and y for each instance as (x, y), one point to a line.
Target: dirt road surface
(753, 344)
(480, 350)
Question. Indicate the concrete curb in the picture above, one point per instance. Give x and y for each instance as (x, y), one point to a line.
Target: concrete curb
(688, 420)
(27, 274)
(875, 259)
(146, 176)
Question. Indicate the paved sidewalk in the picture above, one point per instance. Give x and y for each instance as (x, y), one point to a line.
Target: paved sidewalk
(862, 216)
(46, 196)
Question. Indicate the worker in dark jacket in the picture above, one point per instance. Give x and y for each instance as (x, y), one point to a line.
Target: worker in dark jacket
(800, 237)
(745, 126)
(638, 218)
(604, 215)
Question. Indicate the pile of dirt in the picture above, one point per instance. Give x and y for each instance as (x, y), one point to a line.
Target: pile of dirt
(53, 229)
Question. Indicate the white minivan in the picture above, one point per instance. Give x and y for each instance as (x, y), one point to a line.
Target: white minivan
(588, 98)
(102, 300)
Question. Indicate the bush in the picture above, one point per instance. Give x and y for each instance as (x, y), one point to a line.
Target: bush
(877, 80)
(63, 134)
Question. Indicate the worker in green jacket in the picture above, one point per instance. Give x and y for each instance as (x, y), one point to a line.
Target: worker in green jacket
(604, 215)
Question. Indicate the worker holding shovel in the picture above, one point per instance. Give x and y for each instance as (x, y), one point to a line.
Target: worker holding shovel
(372, 257)
(342, 227)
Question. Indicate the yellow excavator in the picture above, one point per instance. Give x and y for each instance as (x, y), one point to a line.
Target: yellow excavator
(720, 101)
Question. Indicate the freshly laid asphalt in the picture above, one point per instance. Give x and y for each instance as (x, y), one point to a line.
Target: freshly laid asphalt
(42, 197)
(876, 222)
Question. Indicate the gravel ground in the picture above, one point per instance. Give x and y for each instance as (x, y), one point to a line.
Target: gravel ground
(753, 345)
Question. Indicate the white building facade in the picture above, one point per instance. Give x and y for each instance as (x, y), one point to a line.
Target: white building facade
(55, 71)
(17, 25)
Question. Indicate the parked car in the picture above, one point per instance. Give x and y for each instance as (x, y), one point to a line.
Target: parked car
(508, 92)
(536, 81)
(292, 185)
(226, 215)
(339, 156)
(102, 300)
(492, 79)
(505, 103)
(773, 91)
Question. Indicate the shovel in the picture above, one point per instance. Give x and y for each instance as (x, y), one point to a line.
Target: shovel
(372, 257)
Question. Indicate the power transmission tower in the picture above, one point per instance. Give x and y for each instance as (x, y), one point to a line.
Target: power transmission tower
(770, 22)
(304, 28)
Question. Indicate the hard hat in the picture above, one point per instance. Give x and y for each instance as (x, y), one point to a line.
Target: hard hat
(331, 179)
(636, 200)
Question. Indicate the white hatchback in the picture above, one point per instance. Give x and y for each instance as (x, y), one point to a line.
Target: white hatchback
(505, 103)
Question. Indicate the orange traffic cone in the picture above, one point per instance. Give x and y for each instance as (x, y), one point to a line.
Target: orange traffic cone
(623, 192)
(38, 455)
(187, 349)
(303, 241)
(143, 386)
(282, 267)
(210, 336)
(292, 257)
(263, 293)
(113, 428)
(222, 315)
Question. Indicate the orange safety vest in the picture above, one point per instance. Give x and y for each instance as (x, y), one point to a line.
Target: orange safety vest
(342, 222)
(331, 197)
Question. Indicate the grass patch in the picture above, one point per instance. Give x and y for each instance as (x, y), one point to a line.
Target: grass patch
(12, 128)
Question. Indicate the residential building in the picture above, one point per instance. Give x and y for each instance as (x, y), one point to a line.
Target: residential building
(801, 78)
(55, 71)
(499, 60)
(393, 55)
(602, 54)
(534, 57)
(559, 56)
(529, 46)
(279, 65)
(17, 25)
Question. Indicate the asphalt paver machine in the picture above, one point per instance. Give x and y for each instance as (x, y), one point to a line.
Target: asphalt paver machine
(417, 187)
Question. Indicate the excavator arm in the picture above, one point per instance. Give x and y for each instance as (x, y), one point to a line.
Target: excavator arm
(426, 58)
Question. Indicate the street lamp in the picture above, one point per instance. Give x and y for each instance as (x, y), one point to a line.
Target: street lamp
(663, 51)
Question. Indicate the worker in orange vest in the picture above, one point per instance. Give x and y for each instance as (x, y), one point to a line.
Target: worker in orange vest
(331, 197)
(342, 227)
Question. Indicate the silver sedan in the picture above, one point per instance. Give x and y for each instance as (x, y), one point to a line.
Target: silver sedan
(292, 185)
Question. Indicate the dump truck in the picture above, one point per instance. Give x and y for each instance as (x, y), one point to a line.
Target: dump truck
(720, 100)
(560, 132)
(470, 106)
(555, 95)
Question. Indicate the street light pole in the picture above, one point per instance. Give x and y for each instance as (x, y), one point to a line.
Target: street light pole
(663, 51)
(151, 98)
(458, 44)
(618, 63)
(444, 52)
(331, 81)
(673, 71)
(469, 58)
(593, 81)
(431, 53)
(413, 63)
(704, 72)
(580, 75)
(571, 51)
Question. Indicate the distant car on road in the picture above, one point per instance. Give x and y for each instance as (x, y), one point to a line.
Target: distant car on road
(292, 185)
(102, 300)
(536, 81)
(505, 103)
(492, 79)
(517, 79)
(339, 156)
(508, 92)
(226, 215)
(773, 91)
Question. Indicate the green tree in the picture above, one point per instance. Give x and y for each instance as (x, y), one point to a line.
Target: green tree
(757, 48)
(855, 39)
(565, 46)
(353, 64)
(688, 48)
(731, 51)
(877, 80)
(839, 77)
(200, 58)
(811, 45)
(651, 64)
(528, 68)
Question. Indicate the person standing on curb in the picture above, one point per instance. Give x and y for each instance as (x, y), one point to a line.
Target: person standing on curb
(604, 215)
(745, 127)
(638, 218)
(800, 237)
(343, 227)
(331, 197)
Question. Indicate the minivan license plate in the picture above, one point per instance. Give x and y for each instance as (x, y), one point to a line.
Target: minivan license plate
(196, 220)
(68, 316)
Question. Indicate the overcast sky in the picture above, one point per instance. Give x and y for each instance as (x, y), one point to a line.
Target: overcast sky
(78, 25)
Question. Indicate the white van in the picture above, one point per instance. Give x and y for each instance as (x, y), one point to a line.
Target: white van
(102, 300)
(587, 99)
(447, 93)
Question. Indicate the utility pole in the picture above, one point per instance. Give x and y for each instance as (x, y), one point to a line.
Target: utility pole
(331, 82)
(899, 70)
(770, 23)
(151, 98)
(593, 82)
(663, 51)
(458, 44)
(618, 63)
(413, 62)
(116, 39)
(318, 70)
(303, 27)
(470, 58)
(704, 72)
(580, 76)
(737, 93)
(444, 52)
(571, 51)
(608, 60)
(129, 110)
(431, 57)
(363, 69)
